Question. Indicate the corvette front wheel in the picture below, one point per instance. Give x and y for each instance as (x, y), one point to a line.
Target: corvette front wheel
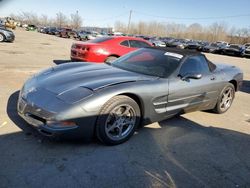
(225, 99)
(118, 120)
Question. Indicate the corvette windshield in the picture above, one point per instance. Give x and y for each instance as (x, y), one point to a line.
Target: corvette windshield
(148, 61)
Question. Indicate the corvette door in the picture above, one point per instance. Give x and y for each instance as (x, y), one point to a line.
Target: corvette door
(195, 88)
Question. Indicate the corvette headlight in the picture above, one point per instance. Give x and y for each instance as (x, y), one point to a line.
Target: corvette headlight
(28, 87)
(25, 91)
(75, 95)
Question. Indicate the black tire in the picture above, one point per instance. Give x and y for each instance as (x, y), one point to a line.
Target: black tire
(219, 105)
(110, 59)
(117, 121)
(2, 37)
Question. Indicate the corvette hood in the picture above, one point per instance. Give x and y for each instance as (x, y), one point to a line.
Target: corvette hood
(89, 75)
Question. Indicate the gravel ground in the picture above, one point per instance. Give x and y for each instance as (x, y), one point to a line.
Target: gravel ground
(199, 149)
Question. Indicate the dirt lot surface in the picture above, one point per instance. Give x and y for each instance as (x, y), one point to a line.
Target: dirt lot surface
(199, 149)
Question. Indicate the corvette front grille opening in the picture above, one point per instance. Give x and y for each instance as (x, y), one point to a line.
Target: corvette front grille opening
(37, 118)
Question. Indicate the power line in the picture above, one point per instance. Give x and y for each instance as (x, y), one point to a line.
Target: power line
(193, 18)
(108, 18)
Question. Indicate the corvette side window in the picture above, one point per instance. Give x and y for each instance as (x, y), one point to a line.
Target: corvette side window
(203, 64)
(195, 64)
(125, 43)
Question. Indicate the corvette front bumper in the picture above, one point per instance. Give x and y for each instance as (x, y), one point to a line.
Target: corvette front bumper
(83, 128)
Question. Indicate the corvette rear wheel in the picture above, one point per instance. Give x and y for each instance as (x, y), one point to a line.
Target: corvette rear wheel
(225, 99)
(118, 120)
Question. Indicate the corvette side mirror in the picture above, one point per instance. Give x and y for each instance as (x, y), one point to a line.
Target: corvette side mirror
(191, 76)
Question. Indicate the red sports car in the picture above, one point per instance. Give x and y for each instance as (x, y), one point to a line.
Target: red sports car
(106, 49)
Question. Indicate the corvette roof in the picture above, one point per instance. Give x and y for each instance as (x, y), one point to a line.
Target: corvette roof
(184, 52)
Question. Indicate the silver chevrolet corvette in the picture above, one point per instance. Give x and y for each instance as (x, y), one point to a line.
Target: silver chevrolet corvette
(82, 100)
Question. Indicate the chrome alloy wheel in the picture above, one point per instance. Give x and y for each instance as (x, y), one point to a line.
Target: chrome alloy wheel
(120, 122)
(1, 38)
(226, 99)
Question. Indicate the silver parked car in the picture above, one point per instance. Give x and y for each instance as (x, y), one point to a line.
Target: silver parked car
(110, 100)
(6, 35)
(157, 42)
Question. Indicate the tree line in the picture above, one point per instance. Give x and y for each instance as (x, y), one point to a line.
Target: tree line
(60, 19)
(218, 31)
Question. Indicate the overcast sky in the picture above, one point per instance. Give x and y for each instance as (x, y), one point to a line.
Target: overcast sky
(105, 13)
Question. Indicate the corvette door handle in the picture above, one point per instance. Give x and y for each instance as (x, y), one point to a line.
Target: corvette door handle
(212, 78)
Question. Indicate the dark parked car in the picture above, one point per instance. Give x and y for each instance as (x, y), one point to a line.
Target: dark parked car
(247, 52)
(66, 33)
(2, 23)
(234, 50)
(50, 30)
(6, 35)
(176, 43)
(202, 45)
(247, 45)
(45, 30)
(81, 100)
(215, 48)
(192, 45)
(41, 29)
(166, 39)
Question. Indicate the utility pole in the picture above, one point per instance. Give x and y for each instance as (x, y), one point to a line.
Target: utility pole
(129, 20)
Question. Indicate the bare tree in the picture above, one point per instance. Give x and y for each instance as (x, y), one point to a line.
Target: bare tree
(76, 20)
(26, 17)
(219, 31)
(61, 19)
(44, 21)
(194, 31)
(121, 27)
(141, 27)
